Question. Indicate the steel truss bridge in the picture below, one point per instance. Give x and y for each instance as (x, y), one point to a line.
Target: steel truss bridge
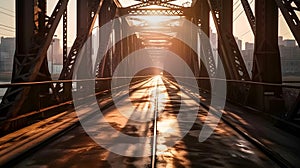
(33, 94)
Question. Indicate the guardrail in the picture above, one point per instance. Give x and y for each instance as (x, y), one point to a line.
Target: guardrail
(43, 112)
(290, 95)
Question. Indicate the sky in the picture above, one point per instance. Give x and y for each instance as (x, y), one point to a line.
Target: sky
(241, 27)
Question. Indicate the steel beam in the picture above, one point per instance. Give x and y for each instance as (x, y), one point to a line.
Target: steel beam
(65, 37)
(107, 13)
(30, 59)
(249, 14)
(266, 64)
(64, 90)
(230, 54)
(84, 18)
(202, 13)
(288, 9)
(117, 55)
(201, 9)
(164, 3)
(155, 12)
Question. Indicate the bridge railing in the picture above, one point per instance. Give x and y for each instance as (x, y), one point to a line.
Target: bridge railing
(238, 93)
(48, 105)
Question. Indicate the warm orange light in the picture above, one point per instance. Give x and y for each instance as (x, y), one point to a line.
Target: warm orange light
(154, 21)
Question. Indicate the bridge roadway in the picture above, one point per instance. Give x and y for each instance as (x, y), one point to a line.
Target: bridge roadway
(225, 148)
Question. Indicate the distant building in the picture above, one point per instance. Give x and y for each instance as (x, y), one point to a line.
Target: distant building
(249, 46)
(7, 52)
(55, 56)
(239, 43)
(290, 58)
(289, 53)
(289, 43)
(55, 52)
(247, 54)
(280, 41)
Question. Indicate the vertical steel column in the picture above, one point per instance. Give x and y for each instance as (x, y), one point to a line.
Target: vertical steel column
(40, 7)
(193, 54)
(28, 32)
(40, 32)
(202, 13)
(125, 44)
(226, 25)
(84, 18)
(186, 55)
(26, 23)
(30, 64)
(117, 55)
(106, 14)
(266, 65)
(24, 30)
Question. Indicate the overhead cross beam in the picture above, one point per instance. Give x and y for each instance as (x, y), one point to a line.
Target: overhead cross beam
(172, 9)
(155, 12)
(158, 3)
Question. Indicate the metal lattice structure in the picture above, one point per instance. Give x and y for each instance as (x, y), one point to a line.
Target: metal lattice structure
(35, 31)
(153, 12)
(234, 64)
(94, 6)
(288, 9)
(30, 61)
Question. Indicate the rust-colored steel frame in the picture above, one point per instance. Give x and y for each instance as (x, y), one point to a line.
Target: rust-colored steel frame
(65, 37)
(201, 9)
(85, 27)
(35, 31)
(154, 12)
(30, 63)
(158, 3)
(249, 14)
(172, 10)
(288, 9)
(230, 54)
(266, 64)
(108, 12)
(202, 19)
